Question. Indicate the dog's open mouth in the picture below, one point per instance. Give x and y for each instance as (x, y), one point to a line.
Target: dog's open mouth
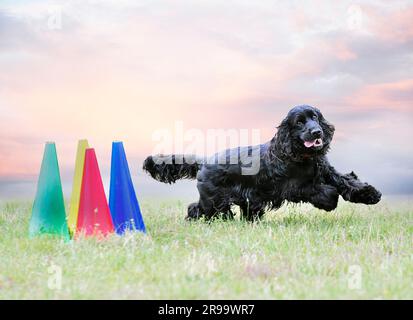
(313, 143)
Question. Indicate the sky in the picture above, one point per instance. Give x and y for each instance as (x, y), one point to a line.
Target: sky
(123, 70)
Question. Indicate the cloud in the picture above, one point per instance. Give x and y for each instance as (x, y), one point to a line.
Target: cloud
(121, 70)
(394, 96)
(394, 26)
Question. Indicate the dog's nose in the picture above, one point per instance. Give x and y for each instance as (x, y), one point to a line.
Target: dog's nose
(316, 133)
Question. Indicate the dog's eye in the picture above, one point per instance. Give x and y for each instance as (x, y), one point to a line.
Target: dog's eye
(299, 123)
(315, 117)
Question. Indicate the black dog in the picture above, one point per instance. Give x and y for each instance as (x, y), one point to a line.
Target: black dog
(292, 167)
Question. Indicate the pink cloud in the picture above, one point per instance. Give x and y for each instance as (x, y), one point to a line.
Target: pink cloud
(342, 51)
(123, 75)
(300, 20)
(397, 96)
(394, 26)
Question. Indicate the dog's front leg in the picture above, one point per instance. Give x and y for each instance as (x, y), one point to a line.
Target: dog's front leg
(321, 196)
(324, 197)
(351, 188)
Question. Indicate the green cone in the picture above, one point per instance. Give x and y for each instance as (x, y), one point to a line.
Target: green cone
(48, 215)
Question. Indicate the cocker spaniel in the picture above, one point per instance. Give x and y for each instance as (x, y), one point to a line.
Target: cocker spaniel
(291, 167)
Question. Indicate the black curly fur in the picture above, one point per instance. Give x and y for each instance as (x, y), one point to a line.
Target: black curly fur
(169, 169)
(288, 171)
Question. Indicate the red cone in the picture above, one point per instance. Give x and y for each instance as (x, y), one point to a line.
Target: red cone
(94, 215)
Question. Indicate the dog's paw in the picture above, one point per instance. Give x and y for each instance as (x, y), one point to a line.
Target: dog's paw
(326, 198)
(351, 175)
(367, 195)
(193, 212)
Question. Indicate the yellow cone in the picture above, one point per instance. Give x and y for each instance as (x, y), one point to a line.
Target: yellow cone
(77, 185)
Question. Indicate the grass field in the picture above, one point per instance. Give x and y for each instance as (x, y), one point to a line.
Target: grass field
(299, 252)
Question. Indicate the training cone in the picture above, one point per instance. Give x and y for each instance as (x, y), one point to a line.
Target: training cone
(123, 203)
(48, 215)
(77, 186)
(94, 216)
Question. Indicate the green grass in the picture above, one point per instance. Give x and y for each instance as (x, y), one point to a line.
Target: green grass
(297, 252)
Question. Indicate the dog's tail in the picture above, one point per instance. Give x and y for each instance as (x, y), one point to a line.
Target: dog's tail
(169, 168)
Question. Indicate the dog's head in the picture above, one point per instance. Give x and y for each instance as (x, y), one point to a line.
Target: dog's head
(304, 133)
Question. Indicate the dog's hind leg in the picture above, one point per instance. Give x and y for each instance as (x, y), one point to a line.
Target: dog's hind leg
(194, 212)
(212, 200)
(245, 212)
(205, 208)
(260, 214)
(211, 207)
(228, 215)
(250, 214)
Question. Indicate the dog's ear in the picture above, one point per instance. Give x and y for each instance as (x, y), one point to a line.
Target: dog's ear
(327, 127)
(283, 139)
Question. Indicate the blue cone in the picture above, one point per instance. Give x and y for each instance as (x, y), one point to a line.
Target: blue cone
(124, 206)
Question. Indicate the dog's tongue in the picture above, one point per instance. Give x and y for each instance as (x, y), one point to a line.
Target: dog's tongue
(312, 143)
(309, 144)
